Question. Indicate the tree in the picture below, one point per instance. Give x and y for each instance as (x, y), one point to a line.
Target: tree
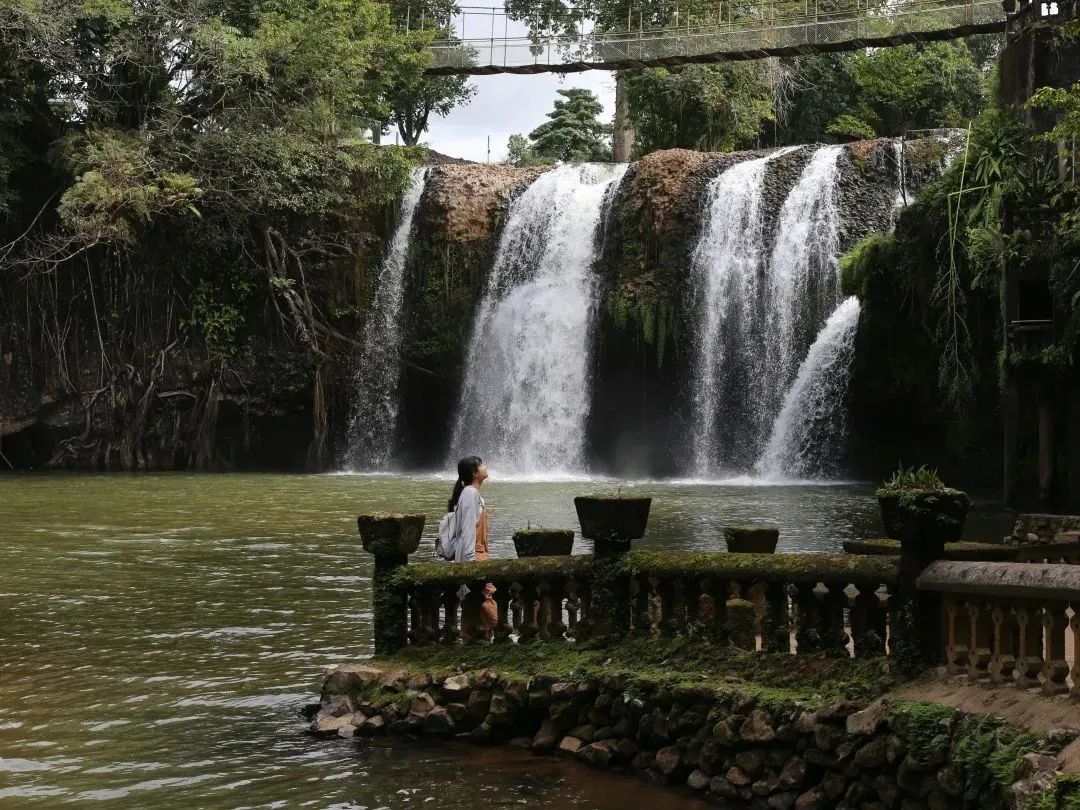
(710, 107)
(574, 132)
(414, 102)
(519, 151)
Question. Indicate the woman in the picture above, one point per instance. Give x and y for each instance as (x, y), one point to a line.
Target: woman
(471, 541)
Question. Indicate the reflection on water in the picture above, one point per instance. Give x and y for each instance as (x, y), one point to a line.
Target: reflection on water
(158, 633)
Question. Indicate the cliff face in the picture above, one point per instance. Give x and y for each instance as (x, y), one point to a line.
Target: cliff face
(271, 402)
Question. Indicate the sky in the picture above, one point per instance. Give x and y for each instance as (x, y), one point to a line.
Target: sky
(505, 104)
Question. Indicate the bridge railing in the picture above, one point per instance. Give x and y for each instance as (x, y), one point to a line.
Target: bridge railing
(747, 31)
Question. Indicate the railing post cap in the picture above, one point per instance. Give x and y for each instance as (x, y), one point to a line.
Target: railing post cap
(390, 533)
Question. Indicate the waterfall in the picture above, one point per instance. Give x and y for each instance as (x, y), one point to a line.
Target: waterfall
(526, 391)
(726, 266)
(901, 180)
(809, 432)
(378, 371)
(802, 272)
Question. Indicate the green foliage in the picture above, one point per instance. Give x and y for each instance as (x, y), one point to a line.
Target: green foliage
(574, 133)
(878, 250)
(914, 478)
(710, 107)
(519, 152)
(990, 753)
(848, 127)
(1064, 794)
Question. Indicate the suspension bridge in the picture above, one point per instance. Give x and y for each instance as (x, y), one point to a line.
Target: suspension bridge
(485, 40)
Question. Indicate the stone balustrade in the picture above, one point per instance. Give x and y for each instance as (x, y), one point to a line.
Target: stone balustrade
(1066, 552)
(778, 603)
(1010, 622)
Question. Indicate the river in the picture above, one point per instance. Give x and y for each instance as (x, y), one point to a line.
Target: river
(158, 634)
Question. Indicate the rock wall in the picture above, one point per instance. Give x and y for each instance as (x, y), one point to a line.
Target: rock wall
(745, 750)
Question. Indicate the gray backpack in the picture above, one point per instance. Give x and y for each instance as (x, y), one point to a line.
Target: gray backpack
(444, 541)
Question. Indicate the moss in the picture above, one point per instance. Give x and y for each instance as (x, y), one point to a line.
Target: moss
(920, 723)
(768, 567)
(437, 573)
(861, 261)
(963, 550)
(990, 753)
(771, 679)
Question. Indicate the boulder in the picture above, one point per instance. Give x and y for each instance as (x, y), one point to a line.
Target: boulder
(330, 724)
(456, 684)
(547, 737)
(737, 776)
(873, 754)
(757, 728)
(752, 762)
(697, 780)
(793, 774)
(867, 721)
(811, 799)
(350, 678)
(782, 801)
(597, 754)
(421, 705)
(721, 787)
(570, 745)
(438, 721)
(668, 761)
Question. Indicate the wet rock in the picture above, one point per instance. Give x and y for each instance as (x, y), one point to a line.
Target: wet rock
(396, 680)
(752, 761)
(520, 742)
(697, 780)
(547, 737)
(517, 693)
(482, 733)
(827, 737)
(737, 776)
(349, 678)
(485, 679)
(627, 750)
(668, 761)
(605, 733)
(643, 760)
(720, 786)
(456, 685)
(563, 691)
(723, 733)
(438, 721)
(839, 712)
(570, 745)
(479, 703)
(563, 716)
(805, 723)
(793, 774)
(421, 705)
(757, 728)
(867, 721)
(330, 724)
(586, 734)
(459, 712)
(539, 700)
(372, 726)
(811, 799)
(873, 754)
(783, 801)
(598, 754)
(764, 786)
(896, 750)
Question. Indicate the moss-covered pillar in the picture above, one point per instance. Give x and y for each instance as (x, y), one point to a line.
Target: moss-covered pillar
(390, 538)
(917, 640)
(612, 523)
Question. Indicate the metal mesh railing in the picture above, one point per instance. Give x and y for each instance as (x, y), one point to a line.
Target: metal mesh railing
(743, 32)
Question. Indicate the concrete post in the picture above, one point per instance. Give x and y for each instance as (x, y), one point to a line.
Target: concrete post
(390, 538)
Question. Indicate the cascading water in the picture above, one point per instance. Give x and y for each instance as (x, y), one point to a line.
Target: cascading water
(378, 370)
(802, 275)
(727, 264)
(809, 432)
(901, 180)
(526, 392)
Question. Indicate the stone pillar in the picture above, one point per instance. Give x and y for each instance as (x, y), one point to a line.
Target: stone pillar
(390, 538)
(623, 134)
(612, 524)
(917, 639)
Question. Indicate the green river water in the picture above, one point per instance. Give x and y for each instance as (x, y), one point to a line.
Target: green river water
(159, 633)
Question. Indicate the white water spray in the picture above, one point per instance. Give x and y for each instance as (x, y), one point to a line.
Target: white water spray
(526, 392)
(809, 432)
(378, 371)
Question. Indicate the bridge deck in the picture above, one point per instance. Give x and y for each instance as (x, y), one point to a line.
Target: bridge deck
(757, 31)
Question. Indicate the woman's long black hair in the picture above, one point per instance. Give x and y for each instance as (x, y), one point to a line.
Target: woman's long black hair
(466, 471)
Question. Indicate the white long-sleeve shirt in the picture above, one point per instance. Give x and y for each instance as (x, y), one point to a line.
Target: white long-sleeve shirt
(470, 507)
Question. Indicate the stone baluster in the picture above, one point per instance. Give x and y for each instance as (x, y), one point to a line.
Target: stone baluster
(956, 635)
(692, 602)
(869, 623)
(1029, 657)
(807, 633)
(556, 596)
(517, 606)
(390, 538)
(583, 630)
(717, 591)
(1055, 668)
(980, 622)
(916, 615)
(776, 629)
(529, 596)
(472, 625)
(668, 622)
(429, 613)
(834, 632)
(543, 610)
(451, 630)
(1074, 673)
(415, 612)
(1003, 656)
(503, 629)
(573, 604)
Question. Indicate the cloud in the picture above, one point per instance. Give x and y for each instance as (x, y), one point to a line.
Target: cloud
(505, 104)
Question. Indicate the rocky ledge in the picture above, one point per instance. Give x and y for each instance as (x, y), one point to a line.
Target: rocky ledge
(743, 748)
